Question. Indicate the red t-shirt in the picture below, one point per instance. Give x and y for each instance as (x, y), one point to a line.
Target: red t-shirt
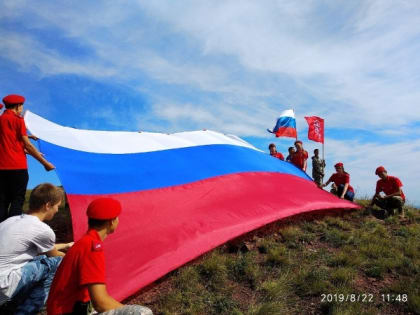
(83, 264)
(341, 179)
(299, 158)
(278, 155)
(389, 186)
(12, 153)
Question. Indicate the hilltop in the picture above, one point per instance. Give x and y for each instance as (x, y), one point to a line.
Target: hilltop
(303, 265)
(330, 263)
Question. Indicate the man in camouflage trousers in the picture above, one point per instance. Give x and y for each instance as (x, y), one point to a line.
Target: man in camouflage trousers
(318, 166)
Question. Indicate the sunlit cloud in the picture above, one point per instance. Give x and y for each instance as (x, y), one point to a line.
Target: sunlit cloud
(233, 66)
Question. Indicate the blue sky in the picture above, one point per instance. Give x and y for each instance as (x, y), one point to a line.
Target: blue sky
(229, 66)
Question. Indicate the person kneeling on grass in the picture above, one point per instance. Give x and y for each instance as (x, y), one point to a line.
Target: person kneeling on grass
(79, 284)
(341, 186)
(29, 256)
(394, 197)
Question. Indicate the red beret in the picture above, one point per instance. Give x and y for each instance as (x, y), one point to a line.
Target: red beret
(104, 209)
(298, 141)
(380, 169)
(339, 164)
(13, 99)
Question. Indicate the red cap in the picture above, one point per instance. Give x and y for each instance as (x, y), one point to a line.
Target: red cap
(1, 106)
(298, 141)
(104, 209)
(13, 99)
(380, 169)
(339, 164)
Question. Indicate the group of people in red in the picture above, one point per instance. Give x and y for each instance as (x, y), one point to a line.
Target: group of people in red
(297, 156)
(393, 197)
(34, 270)
(70, 277)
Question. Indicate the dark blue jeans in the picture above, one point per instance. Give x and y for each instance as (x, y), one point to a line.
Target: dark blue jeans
(34, 286)
(349, 194)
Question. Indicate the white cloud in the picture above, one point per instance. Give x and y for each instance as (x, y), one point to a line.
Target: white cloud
(29, 54)
(233, 65)
(367, 65)
(371, 66)
(223, 117)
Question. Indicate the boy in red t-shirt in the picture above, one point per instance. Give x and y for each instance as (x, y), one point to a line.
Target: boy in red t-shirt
(300, 157)
(79, 283)
(394, 197)
(274, 153)
(14, 143)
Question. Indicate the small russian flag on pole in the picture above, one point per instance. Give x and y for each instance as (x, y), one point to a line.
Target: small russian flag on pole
(286, 125)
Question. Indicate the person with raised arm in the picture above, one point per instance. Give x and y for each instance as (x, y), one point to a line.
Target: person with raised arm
(14, 144)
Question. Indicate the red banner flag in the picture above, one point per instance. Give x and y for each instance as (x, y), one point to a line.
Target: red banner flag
(316, 128)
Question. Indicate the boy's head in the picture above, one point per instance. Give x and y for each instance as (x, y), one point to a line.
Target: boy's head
(381, 172)
(298, 145)
(103, 213)
(14, 101)
(46, 198)
(291, 150)
(316, 152)
(339, 167)
(272, 148)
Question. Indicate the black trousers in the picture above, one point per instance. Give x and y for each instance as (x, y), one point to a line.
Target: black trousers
(13, 185)
(390, 204)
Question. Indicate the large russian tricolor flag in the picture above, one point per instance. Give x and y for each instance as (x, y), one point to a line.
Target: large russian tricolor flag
(285, 125)
(182, 194)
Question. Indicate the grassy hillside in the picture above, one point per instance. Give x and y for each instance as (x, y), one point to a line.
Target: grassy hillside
(302, 266)
(325, 264)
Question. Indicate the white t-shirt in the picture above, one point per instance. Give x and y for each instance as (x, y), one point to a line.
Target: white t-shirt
(22, 237)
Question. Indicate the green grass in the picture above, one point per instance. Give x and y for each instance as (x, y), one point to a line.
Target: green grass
(292, 264)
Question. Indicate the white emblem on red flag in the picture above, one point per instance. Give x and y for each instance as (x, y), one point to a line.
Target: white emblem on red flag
(316, 128)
